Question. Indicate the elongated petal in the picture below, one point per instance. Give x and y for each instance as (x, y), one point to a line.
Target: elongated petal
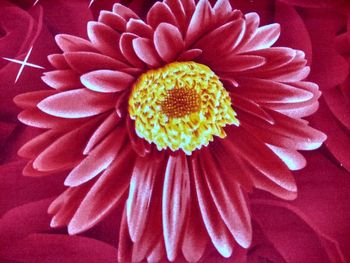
(102, 131)
(66, 151)
(265, 37)
(260, 90)
(140, 193)
(285, 132)
(195, 238)
(69, 43)
(97, 161)
(84, 62)
(62, 79)
(201, 20)
(139, 28)
(222, 40)
(58, 61)
(107, 80)
(77, 103)
(229, 201)
(216, 228)
(104, 195)
(251, 149)
(35, 146)
(175, 203)
(291, 158)
(31, 99)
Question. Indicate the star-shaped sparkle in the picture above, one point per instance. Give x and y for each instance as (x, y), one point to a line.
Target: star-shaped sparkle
(35, 2)
(23, 63)
(91, 2)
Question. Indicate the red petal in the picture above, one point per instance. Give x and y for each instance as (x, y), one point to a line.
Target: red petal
(229, 201)
(97, 160)
(84, 62)
(259, 90)
(261, 157)
(124, 12)
(140, 193)
(126, 48)
(293, 159)
(125, 245)
(222, 40)
(104, 195)
(62, 79)
(77, 103)
(105, 39)
(107, 126)
(175, 203)
(251, 107)
(107, 81)
(31, 99)
(201, 22)
(35, 146)
(112, 20)
(216, 228)
(177, 8)
(168, 41)
(190, 54)
(139, 28)
(70, 43)
(58, 61)
(195, 238)
(36, 118)
(285, 132)
(234, 62)
(145, 50)
(264, 37)
(160, 13)
(66, 151)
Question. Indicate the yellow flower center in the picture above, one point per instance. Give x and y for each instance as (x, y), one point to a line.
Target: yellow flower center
(181, 106)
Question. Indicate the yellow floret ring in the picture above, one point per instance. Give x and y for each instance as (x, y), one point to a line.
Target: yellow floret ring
(181, 106)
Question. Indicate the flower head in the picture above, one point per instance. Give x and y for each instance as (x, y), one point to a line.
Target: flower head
(178, 115)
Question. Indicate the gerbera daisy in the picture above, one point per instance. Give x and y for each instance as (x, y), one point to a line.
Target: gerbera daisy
(177, 116)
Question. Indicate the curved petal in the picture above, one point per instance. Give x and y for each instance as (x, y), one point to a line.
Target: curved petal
(112, 20)
(264, 37)
(68, 43)
(175, 203)
(201, 22)
(77, 103)
(168, 41)
(217, 230)
(145, 50)
(104, 195)
(84, 62)
(229, 200)
(107, 81)
(140, 193)
(252, 149)
(160, 13)
(97, 160)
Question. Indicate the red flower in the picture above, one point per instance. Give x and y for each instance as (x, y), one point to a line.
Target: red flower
(140, 117)
(24, 229)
